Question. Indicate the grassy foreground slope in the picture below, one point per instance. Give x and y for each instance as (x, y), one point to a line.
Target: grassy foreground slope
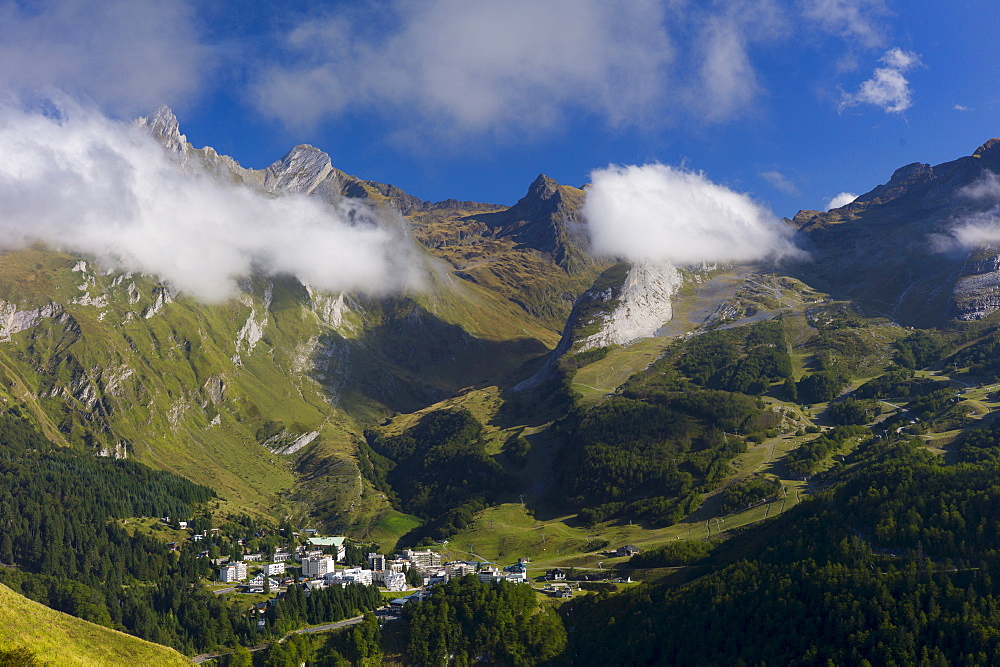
(65, 640)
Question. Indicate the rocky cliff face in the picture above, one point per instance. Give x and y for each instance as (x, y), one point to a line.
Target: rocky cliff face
(641, 305)
(302, 170)
(977, 291)
(163, 126)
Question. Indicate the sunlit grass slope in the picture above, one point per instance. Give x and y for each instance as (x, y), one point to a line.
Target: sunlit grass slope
(61, 639)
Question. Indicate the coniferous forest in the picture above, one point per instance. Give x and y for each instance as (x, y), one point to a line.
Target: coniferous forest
(65, 543)
(894, 562)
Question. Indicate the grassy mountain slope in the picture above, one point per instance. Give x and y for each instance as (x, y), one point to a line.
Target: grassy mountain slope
(252, 396)
(62, 639)
(264, 397)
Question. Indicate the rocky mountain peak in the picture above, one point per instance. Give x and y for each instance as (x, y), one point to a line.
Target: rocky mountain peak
(900, 183)
(543, 187)
(543, 198)
(164, 127)
(990, 149)
(300, 170)
(988, 155)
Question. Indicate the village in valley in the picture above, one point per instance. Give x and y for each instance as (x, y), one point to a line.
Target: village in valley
(314, 562)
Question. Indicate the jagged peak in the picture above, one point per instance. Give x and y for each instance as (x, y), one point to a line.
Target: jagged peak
(163, 125)
(900, 183)
(302, 158)
(304, 153)
(164, 115)
(907, 172)
(990, 148)
(301, 169)
(543, 192)
(543, 187)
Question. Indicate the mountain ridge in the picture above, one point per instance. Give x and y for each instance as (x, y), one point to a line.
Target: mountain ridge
(882, 249)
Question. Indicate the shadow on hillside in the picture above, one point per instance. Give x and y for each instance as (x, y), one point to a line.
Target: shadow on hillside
(413, 359)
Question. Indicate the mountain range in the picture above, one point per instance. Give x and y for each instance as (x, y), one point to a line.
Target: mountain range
(285, 378)
(533, 374)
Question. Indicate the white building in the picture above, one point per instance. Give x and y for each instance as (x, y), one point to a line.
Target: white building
(317, 566)
(394, 581)
(423, 559)
(334, 545)
(517, 577)
(354, 575)
(397, 565)
(436, 576)
(459, 569)
(274, 569)
(233, 572)
(258, 581)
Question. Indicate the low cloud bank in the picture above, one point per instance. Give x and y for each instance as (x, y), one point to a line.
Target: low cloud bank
(972, 231)
(978, 228)
(986, 188)
(660, 213)
(79, 182)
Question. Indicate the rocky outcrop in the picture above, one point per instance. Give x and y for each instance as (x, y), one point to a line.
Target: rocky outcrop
(14, 320)
(117, 451)
(250, 333)
(286, 443)
(977, 293)
(301, 170)
(163, 126)
(331, 309)
(643, 305)
(215, 387)
(162, 295)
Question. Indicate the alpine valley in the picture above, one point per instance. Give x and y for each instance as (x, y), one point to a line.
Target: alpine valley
(788, 462)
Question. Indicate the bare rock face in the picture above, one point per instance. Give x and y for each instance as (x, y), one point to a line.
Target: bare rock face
(14, 320)
(644, 305)
(215, 387)
(165, 129)
(301, 170)
(977, 292)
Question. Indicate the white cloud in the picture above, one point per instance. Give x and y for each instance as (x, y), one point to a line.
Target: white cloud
(779, 182)
(128, 56)
(106, 189)
(971, 231)
(843, 199)
(888, 88)
(959, 107)
(460, 66)
(727, 81)
(986, 188)
(660, 213)
(976, 228)
(856, 20)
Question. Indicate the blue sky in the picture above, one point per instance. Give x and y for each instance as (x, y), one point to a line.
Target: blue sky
(791, 101)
